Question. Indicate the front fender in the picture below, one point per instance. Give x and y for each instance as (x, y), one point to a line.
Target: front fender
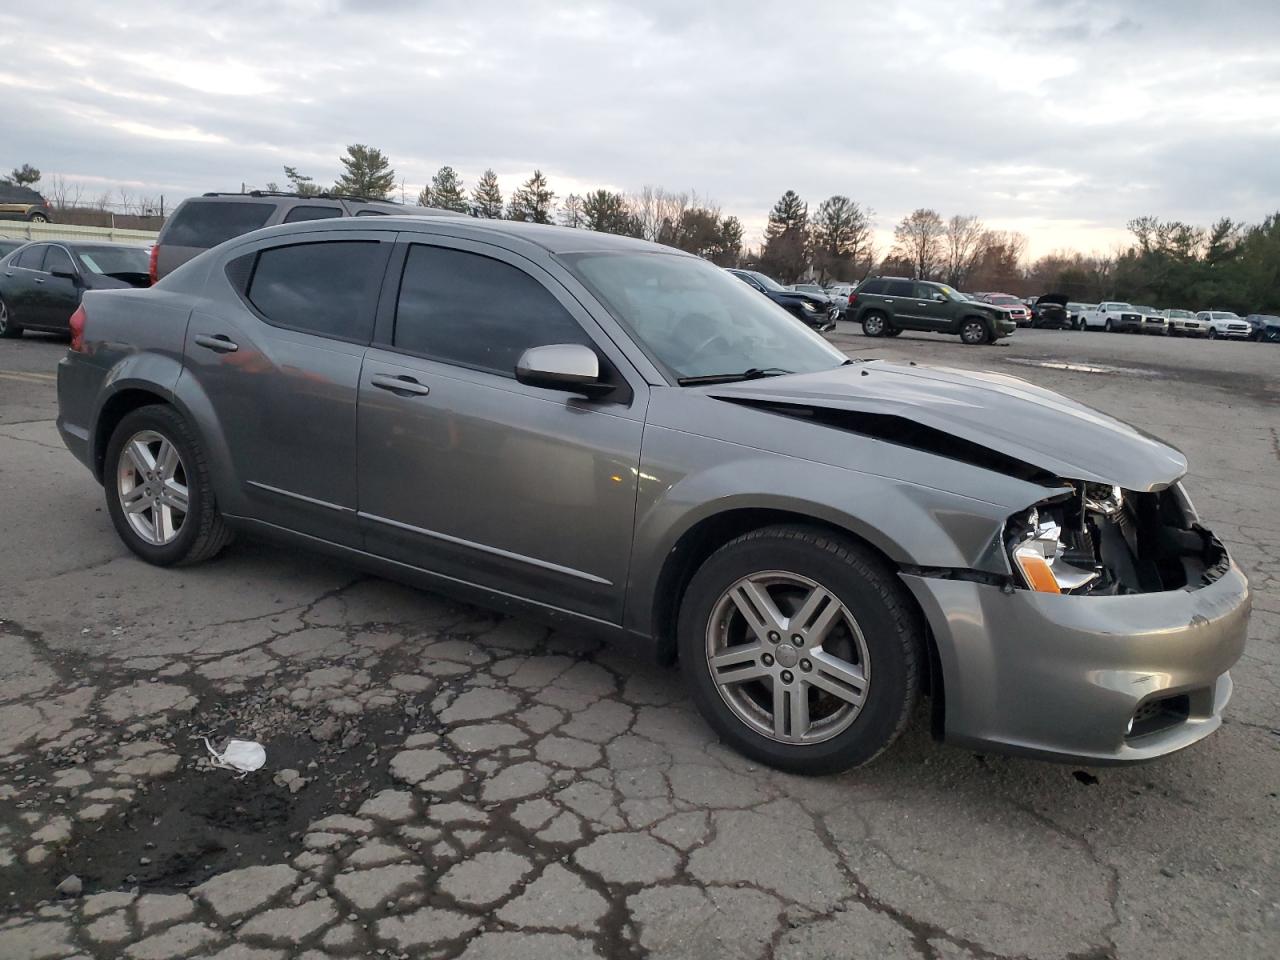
(686, 479)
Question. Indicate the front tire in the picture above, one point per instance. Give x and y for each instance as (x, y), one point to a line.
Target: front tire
(8, 329)
(1213, 333)
(159, 495)
(975, 332)
(801, 649)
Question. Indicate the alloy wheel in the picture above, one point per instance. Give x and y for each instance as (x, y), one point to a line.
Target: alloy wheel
(873, 326)
(973, 331)
(4, 318)
(151, 482)
(788, 657)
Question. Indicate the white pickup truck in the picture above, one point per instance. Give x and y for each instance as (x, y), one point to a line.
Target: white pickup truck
(1112, 316)
(1224, 323)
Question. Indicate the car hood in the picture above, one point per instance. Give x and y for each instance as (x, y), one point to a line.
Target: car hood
(1061, 299)
(1005, 414)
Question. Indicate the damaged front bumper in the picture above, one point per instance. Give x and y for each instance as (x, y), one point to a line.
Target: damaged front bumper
(1094, 679)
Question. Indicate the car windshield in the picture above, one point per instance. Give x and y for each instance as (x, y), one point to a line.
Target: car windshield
(1181, 314)
(695, 320)
(809, 287)
(1141, 309)
(1003, 299)
(112, 260)
(767, 282)
(1221, 315)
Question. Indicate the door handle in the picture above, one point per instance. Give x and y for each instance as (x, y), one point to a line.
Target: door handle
(219, 343)
(400, 385)
(39, 279)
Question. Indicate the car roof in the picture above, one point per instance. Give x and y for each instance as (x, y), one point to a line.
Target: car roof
(553, 239)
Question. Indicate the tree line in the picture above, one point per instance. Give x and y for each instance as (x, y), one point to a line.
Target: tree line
(1168, 263)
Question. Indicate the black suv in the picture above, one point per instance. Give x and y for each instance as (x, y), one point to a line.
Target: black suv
(885, 306)
(200, 223)
(815, 309)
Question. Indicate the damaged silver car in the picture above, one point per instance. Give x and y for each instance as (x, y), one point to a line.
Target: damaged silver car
(614, 435)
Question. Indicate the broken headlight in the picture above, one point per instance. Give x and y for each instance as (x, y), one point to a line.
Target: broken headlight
(1040, 556)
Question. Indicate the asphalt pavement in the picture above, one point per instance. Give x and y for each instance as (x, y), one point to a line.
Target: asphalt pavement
(443, 782)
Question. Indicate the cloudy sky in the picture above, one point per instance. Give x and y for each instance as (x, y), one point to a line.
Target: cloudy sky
(1059, 119)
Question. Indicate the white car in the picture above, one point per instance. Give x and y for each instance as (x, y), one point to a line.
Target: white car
(1224, 323)
(1184, 323)
(1112, 315)
(839, 294)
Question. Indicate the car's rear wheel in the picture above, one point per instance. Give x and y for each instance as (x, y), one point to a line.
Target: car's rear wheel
(801, 648)
(974, 331)
(8, 329)
(158, 491)
(875, 324)
(38, 218)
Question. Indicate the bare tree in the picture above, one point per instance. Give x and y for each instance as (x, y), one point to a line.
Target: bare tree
(917, 240)
(126, 202)
(654, 206)
(103, 201)
(963, 245)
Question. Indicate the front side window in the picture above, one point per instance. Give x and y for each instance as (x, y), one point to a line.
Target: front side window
(328, 288)
(57, 259)
(695, 320)
(475, 311)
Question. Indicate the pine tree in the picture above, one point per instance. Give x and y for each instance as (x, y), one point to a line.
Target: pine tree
(302, 185)
(445, 192)
(786, 238)
(486, 198)
(607, 212)
(533, 202)
(368, 173)
(24, 176)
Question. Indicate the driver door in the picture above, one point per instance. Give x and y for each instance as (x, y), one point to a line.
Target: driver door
(469, 474)
(932, 309)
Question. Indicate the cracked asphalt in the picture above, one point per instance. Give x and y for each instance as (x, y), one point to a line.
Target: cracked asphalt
(443, 782)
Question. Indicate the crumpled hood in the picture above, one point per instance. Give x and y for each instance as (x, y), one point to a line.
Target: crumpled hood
(1001, 413)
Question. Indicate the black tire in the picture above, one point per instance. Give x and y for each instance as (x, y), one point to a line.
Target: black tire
(975, 332)
(1213, 333)
(1108, 327)
(893, 332)
(38, 217)
(1272, 336)
(874, 324)
(871, 592)
(203, 532)
(8, 329)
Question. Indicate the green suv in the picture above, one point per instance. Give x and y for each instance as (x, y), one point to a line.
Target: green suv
(885, 306)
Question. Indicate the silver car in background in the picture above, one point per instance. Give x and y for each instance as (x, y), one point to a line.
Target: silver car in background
(621, 437)
(1184, 323)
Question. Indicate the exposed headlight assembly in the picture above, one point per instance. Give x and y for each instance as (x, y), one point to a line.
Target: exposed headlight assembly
(809, 306)
(1037, 551)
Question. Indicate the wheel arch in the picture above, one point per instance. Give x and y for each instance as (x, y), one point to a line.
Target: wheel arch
(118, 405)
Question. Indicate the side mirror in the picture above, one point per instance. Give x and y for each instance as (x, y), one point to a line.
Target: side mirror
(571, 367)
(66, 275)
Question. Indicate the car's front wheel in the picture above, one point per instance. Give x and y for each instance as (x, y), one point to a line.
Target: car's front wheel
(801, 648)
(158, 490)
(974, 332)
(1213, 333)
(8, 329)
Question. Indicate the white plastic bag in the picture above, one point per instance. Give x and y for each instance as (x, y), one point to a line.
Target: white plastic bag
(242, 755)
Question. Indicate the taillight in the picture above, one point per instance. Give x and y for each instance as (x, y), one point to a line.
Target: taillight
(77, 329)
(153, 265)
(853, 298)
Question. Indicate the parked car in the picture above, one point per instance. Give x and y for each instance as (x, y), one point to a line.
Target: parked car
(815, 310)
(202, 222)
(42, 284)
(1050, 311)
(839, 294)
(1018, 311)
(1263, 326)
(1153, 320)
(23, 203)
(1224, 323)
(1184, 323)
(619, 436)
(1075, 311)
(1112, 316)
(885, 306)
(7, 246)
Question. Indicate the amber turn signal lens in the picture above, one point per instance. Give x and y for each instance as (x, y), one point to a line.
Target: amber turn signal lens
(1037, 571)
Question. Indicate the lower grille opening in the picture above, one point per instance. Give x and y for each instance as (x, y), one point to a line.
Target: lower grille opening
(1154, 716)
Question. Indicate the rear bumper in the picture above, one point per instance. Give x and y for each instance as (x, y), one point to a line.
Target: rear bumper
(1061, 677)
(75, 387)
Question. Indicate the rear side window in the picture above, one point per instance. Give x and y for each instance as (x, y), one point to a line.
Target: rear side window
(31, 256)
(311, 212)
(873, 286)
(464, 308)
(207, 223)
(328, 288)
(900, 288)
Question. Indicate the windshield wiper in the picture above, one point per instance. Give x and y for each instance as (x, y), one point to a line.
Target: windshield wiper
(754, 373)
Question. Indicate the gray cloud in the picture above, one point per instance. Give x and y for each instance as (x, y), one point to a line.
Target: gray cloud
(1066, 118)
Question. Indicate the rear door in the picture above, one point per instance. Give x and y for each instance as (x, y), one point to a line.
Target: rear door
(900, 295)
(278, 358)
(23, 282)
(470, 474)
